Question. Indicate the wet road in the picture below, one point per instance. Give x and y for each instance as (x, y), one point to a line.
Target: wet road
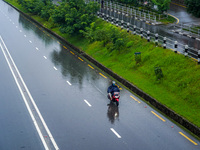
(70, 94)
(180, 12)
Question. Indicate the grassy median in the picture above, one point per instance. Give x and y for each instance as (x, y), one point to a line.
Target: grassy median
(178, 89)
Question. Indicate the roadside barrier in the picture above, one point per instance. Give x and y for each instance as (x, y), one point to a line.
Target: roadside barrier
(154, 37)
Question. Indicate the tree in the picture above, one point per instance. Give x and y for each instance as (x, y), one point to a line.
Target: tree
(120, 44)
(89, 32)
(58, 13)
(193, 7)
(102, 35)
(163, 5)
(74, 15)
(46, 10)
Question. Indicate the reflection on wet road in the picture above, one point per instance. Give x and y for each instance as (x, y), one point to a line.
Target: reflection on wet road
(71, 96)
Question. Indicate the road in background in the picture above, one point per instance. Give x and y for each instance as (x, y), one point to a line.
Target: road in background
(181, 13)
(71, 96)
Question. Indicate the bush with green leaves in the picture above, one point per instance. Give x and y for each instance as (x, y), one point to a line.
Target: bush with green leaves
(163, 5)
(111, 36)
(74, 15)
(70, 15)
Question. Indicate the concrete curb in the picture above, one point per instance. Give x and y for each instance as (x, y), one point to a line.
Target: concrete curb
(182, 121)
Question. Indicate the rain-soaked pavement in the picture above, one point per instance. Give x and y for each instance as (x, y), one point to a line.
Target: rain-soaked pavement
(70, 95)
(180, 12)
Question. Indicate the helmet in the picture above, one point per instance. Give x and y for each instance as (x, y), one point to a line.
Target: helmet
(113, 82)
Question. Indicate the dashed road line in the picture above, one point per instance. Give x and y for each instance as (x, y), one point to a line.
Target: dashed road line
(135, 99)
(55, 68)
(179, 5)
(72, 52)
(45, 57)
(194, 59)
(24, 35)
(158, 116)
(103, 75)
(113, 130)
(30, 41)
(20, 30)
(65, 47)
(16, 74)
(90, 66)
(188, 138)
(80, 59)
(36, 48)
(118, 87)
(68, 82)
(87, 103)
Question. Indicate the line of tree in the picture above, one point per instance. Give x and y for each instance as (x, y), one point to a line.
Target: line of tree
(70, 15)
(193, 7)
(75, 17)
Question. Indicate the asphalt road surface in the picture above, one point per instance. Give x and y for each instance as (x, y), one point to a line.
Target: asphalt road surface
(181, 13)
(51, 98)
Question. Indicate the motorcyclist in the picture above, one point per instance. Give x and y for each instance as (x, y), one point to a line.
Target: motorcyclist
(111, 89)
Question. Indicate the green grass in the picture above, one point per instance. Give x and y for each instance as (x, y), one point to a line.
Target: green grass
(168, 20)
(178, 90)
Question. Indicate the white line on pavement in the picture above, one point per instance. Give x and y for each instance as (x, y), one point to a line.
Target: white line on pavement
(87, 103)
(45, 57)
(115, 133)
(36, 48)
(68, 82)
(31, 98)
(55, 68)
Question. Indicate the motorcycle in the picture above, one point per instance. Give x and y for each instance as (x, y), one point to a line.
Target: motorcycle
(114, 98)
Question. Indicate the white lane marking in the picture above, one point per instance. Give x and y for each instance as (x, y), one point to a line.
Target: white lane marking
(36, 48)
(87, 103)
(68, 82)
(115, 133)
(55, 68)
(25, 100)
(32, 100)
(45, 57)
(30, 41)
(13, 23)
(10, 19)
(20, 30)
(16, 26)
(24, 35)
